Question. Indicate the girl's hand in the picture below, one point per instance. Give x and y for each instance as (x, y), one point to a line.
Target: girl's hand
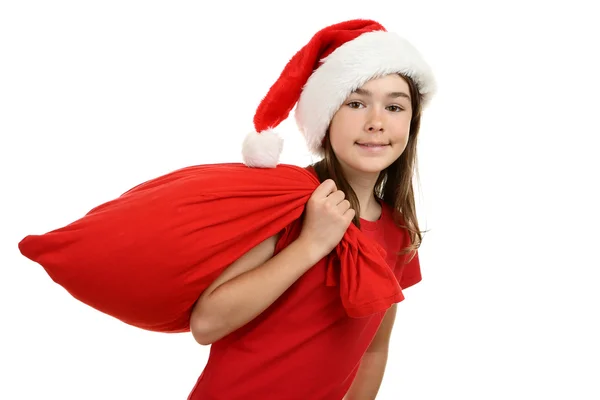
(328, 215)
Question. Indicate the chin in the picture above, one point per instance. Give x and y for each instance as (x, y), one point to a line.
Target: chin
(365, 164)
(370, 166)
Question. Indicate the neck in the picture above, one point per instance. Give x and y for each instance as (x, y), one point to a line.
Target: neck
(363, 186)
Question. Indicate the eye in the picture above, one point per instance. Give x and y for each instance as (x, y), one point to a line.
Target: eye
(395, 108)
(354, 104)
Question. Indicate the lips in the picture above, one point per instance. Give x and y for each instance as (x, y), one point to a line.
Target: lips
(372, 148)
(372, 144)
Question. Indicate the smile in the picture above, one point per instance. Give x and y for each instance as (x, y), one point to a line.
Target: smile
(372, 147)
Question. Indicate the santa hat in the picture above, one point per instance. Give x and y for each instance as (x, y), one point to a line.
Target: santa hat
(335, 62)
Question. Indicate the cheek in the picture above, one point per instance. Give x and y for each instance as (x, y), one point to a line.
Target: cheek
(340, 133)
(336, 139)
(345, 119)
(401, 131)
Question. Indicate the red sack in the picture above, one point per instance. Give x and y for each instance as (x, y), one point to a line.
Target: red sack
(146, 256)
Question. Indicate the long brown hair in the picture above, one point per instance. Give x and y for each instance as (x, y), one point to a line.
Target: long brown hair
(394, 185)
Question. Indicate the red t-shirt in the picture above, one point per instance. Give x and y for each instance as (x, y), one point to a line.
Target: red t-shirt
(304, 346)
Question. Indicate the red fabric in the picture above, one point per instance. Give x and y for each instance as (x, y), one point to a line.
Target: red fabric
(146, 256)
(304, 346)
(407, 271)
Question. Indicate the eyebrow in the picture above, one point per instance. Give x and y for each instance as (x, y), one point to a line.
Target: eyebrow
(393, 95)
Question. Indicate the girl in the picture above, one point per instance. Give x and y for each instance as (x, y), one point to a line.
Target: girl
(277, 331)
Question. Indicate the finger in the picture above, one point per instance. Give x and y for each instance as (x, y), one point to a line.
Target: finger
(349, 216)
(343, 206)
(336, 197)
(326, 188)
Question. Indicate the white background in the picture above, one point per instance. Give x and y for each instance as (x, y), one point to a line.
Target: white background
(96, 97)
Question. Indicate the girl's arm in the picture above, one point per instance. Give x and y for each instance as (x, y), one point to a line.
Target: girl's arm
(247, 288)
(368, 380)
(252, 283)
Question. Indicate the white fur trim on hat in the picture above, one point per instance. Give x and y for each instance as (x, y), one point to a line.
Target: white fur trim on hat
(349, 67)
(262, 149)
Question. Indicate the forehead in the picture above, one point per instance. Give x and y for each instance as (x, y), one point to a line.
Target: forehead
(392, 82)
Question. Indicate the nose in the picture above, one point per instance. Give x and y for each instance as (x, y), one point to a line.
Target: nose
(374, 123)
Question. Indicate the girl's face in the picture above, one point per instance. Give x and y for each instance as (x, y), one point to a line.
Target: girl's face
(370, 130)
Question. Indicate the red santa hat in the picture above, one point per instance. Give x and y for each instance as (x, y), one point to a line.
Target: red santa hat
(335, 62)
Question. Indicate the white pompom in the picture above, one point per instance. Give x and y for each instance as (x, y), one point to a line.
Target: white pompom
(262, 149)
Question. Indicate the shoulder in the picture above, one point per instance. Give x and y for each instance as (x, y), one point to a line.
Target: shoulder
(394, 221)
